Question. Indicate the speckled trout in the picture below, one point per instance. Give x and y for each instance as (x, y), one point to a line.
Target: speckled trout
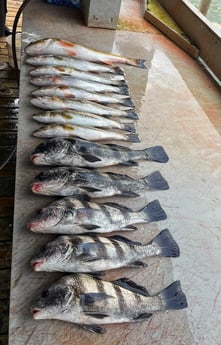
(88, 254)
(89, 301)
(56, 46)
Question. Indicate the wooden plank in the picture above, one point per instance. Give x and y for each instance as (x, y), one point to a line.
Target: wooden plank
(172, 34)
(4, 314)
(8, 124)
(6, 227)
(7, 113)
(7, 187)
(4, 284)
(202, 33)
(8, 138)
(5, 254)
(6, 102)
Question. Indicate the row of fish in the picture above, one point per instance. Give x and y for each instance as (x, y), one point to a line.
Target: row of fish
(85, 96)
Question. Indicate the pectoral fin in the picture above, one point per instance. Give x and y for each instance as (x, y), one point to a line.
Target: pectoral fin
(92, 297)
(132, 286)
(94, 328)
(91, 158)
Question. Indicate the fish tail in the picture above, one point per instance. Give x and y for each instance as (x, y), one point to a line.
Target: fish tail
(133, 137)
(173, 297)
(128, 102)
(154, 212)
(128, 127)
(156, 181)
(124, 89)
(165, 243)
(132, 114)
(140, 63)
(118, 71)
(157, 154)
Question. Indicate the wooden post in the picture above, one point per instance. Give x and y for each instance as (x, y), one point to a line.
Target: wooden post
(204, 6)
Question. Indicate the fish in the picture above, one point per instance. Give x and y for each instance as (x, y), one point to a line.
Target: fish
(56, 46)
(83, 153)
(58, 103)
(81, 119)
(88, 133)
(90, 86)
(73, 215)
(89, 254)
(72, 92)
(68, 71)
(81, 65)
(67, 181)
(90, 302)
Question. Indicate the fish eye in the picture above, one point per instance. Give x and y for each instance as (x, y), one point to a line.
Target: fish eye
(45, 294)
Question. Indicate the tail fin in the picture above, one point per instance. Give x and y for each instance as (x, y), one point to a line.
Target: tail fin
(137, 63)
(173, 297)
(128, 102)
(128, 127)
(132, 115)
(156, 181)
(133, 137)
(154, 212)
(118, 70)
(156, 154)
(166, 244)
(124, 89)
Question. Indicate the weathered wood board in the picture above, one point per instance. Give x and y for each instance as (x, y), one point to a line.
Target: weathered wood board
(169, 116)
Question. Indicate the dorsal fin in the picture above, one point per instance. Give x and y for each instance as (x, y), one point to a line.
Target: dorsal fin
(118, 206)
(124, 239)
(132, 286)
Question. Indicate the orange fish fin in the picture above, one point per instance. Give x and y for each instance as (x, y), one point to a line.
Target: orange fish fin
(66, 44)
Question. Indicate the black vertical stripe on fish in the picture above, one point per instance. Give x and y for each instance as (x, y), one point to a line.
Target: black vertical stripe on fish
(101, 248)
(119, 250)
(121, 300)
(106, 212)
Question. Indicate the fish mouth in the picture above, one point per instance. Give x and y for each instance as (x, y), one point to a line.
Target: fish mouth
(35, 158)
(36, 187)
(35, 313)
(36, 264)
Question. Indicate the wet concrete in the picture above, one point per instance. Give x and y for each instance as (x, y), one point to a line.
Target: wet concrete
(170, 115)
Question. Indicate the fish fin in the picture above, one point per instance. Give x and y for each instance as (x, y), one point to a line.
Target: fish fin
(90, 226)
(137, 264)
(132, 286)
(128, 127)
(166, 243)
(143, 316)
(116, 176)
(125, 240)
(118, 147)
(94, 328)
(154, 212)
(129, 163)
(156, 181)
(97, 315)
(91, 158)
(118, 70)
(157, 154)
(128, 102)
(124, 90)
(173, 297)
(87, 299)
(90, 189)
(133, 137)
(131, 114)
(118, 206)
(140, 63)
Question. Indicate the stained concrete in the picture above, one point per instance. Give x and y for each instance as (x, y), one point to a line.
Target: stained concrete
(170, 116)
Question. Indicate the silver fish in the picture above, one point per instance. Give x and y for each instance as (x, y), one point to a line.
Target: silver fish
(67, 181)
(55, 46)
(88, 133)
(83, 153)
(81, 65)
(86, 300)
(68, 71)
(81, 119)
(90, 86)
(58, 103)
(75, 216)
(72, 92)
(88, 254)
